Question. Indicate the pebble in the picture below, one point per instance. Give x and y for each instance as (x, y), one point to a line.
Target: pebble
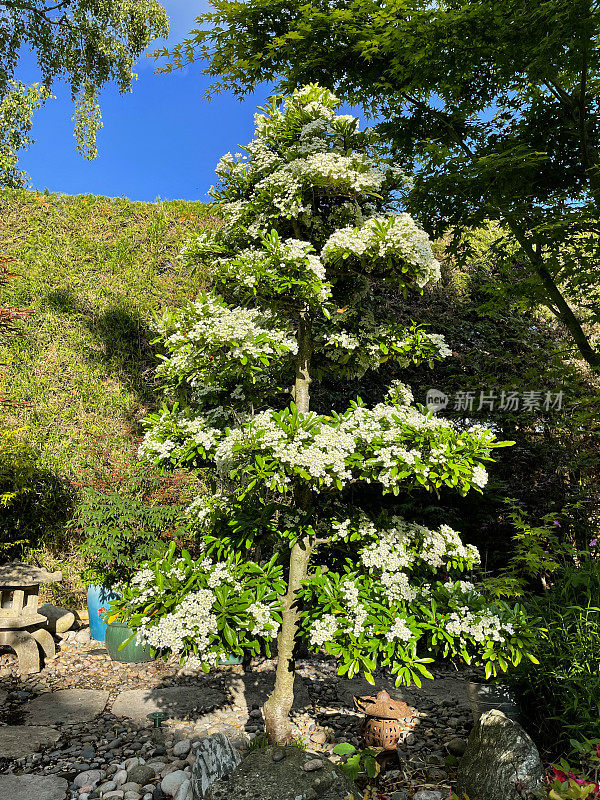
(182, 748)
(184, 790)
(457, 746)
(313, 765)
(130, 786)
(141, 773)
(120, 776)
(171, 782)
(87, 778)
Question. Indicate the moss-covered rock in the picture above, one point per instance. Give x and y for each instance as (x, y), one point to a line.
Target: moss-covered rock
(299, 775)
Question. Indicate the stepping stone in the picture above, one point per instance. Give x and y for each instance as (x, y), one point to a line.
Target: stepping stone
(179, 702)
(33, 787)
(17, 741)
(66, 707)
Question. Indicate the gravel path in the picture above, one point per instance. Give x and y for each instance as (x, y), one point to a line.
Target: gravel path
(109, 756)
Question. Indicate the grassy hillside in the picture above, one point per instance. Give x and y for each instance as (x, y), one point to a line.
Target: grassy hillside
(94, 270)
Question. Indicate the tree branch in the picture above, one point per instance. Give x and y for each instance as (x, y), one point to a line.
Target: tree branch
(41, 13)
(555, 300)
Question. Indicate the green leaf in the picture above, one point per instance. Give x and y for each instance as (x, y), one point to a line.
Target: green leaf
(344, 749)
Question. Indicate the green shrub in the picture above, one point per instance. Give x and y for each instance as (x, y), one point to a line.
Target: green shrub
(135, 520)
(17, 469)
(562, 694)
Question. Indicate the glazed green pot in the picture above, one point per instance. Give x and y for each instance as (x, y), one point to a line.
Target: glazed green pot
(132, 653)
(231, 660)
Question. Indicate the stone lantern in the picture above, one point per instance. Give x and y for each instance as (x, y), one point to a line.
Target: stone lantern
(22, 628)
(385, 720)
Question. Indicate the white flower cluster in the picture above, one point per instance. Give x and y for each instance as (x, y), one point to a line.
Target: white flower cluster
(210, 326)
(289, 188)
(203, 508)
(143, 584)
(399, 630)
(329, 447)
(400, 394)
(342, 529)
(398, 587)
(356, 613)
(380, 239)
(323, 630)
(462, 587)
(402, 546)
(193, 618)
(390, 549)
(327, 452)
(441, 546)
(265, 624)
(297, 149)
(342, 339)
(439, 342)
(172, 433)
(480, 476)
(276, 266)
(480, 626)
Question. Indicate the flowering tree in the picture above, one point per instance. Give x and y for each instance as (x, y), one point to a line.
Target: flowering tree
(310, 228)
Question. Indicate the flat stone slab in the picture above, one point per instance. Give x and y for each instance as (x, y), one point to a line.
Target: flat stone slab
(66, 707)
(179, 702)
(33, 787)
(17, 741)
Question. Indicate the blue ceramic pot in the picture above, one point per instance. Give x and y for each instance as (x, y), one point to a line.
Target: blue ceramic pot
(98, 599)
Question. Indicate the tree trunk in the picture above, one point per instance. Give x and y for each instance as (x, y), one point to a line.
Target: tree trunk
(557, 302)
(277, 708)
(302, 385)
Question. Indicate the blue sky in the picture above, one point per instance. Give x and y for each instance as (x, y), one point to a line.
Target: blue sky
(163, 139)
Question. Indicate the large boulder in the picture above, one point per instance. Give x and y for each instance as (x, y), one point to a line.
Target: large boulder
(284, 773)
(501, 762)
(216, 758)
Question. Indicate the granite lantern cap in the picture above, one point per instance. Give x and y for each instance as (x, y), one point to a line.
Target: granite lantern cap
(19, 574)
(19, 588)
